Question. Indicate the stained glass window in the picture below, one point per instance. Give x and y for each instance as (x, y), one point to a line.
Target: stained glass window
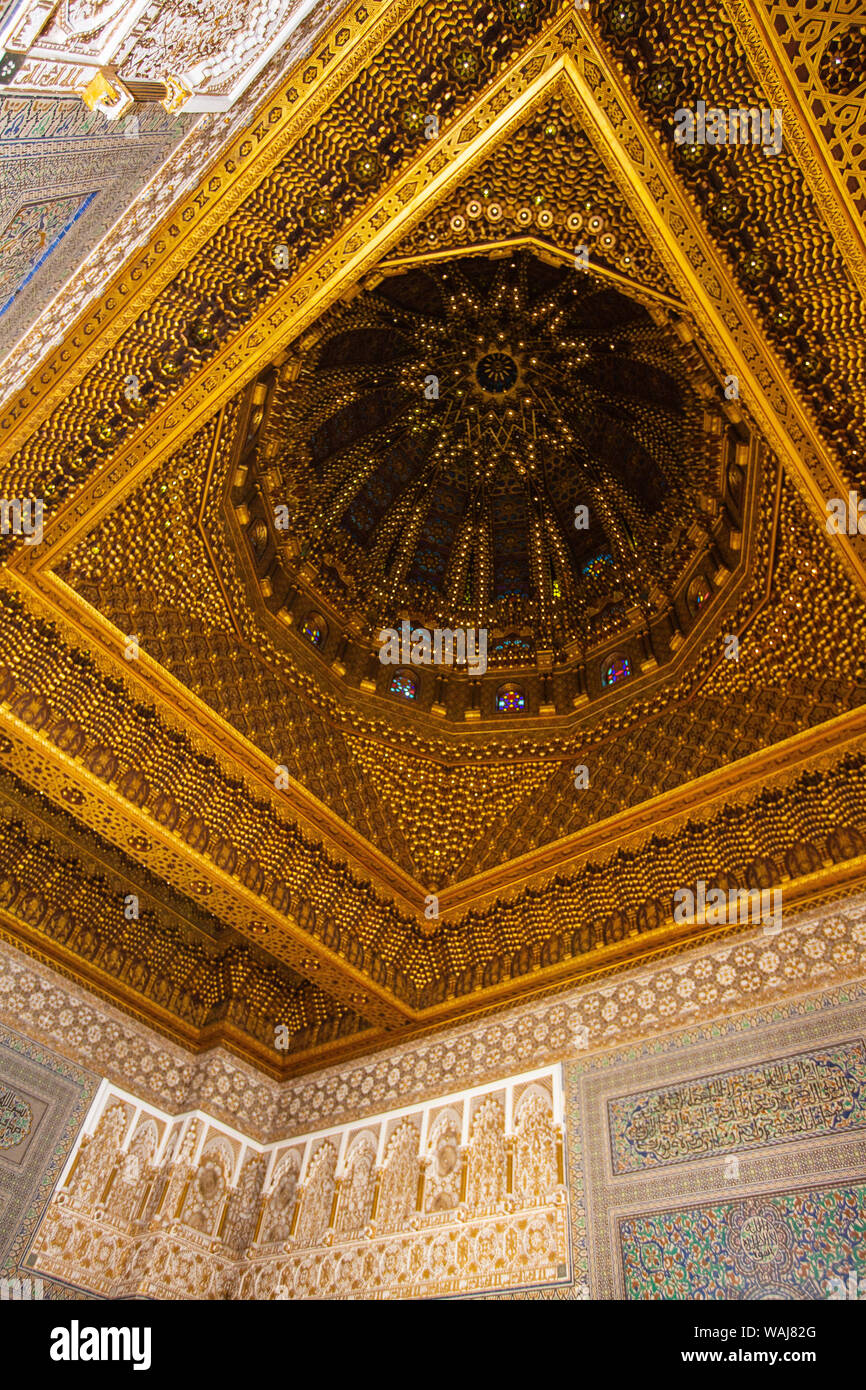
(597, 563)
(510, 699)
(403, 684)
(314, 630)
(617, 669)
(699, 593)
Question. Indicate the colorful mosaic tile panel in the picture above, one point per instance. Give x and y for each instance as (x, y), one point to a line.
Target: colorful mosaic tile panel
(67, 118)
(617, 1216)
(56, 157)
(792, 1245)
(43, 1103)
(798, 1097)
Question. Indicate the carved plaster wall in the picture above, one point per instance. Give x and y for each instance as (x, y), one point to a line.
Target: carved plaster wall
(232, 1152)
(215, 50)
(465, 1194)
(721, 1161)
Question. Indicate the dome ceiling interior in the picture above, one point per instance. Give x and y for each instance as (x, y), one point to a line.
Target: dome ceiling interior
(446, 426)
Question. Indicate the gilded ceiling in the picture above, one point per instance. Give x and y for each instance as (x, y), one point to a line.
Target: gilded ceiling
(458, 500)
(453, 283)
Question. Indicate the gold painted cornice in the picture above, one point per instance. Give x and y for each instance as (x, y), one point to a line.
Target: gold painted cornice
(670, 938)
(196, 1040)
(55, 775)
(48, 769)
(823, 888)
(779, 764)
(87, 629)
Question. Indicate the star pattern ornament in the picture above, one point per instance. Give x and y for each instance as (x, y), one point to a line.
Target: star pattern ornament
(448, 423)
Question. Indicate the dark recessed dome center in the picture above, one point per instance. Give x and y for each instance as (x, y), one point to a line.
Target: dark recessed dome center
(539, 491)
(496, 372)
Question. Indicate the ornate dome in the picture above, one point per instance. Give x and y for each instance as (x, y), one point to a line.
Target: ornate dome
(502, 444)
(497, 443)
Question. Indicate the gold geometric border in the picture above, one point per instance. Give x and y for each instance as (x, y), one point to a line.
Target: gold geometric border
(85, 974)
(778, 765)
(768, 59)
(53, 773)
